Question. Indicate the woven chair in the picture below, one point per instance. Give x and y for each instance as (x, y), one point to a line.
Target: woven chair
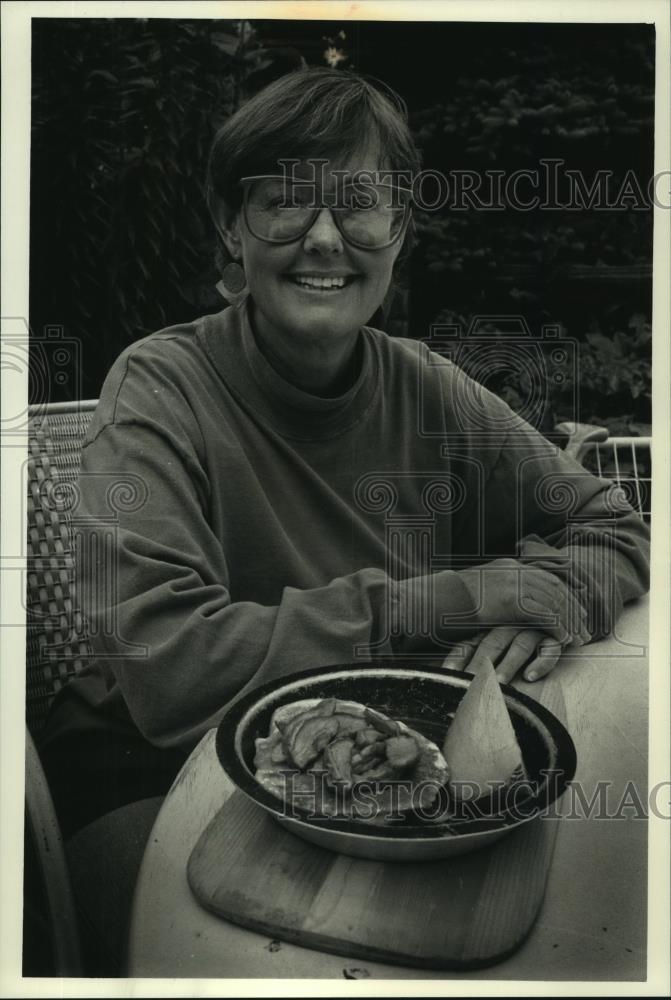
(51, 945)
(625, 460)
(57, 647)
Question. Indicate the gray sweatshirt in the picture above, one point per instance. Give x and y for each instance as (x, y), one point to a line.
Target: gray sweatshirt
(234, 528)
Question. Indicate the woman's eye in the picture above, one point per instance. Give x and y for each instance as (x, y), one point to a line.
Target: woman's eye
(285, 199)
(359, 201)
(277, 204)
(363, 199)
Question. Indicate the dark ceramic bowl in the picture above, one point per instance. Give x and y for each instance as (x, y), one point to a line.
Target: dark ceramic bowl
(425, 700)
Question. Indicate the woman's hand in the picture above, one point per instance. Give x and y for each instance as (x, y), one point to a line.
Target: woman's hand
(509, 648)
(521, 597)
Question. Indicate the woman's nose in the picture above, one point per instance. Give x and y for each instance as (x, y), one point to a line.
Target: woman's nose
(323, 236)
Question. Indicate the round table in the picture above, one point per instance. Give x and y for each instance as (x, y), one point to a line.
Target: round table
(592, 924)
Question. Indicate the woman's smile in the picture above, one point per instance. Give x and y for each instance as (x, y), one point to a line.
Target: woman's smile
(310, 296)
(322, 282)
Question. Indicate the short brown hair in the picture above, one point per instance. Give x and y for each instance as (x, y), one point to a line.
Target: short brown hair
(310, 113)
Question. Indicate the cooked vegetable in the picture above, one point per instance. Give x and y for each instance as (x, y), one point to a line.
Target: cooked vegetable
(306, 740)
(350, 744)
(349, 725)
(338, 761)
(367, 736)
(323, 709)
(402, 752)
(386, 726)
(383, 771)
(369, 756)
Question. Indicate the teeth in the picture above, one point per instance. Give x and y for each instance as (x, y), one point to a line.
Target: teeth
(310, 281)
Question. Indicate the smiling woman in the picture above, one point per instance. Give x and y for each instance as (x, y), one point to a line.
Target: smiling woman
(312, 491)
(292, 189)
(311, 287)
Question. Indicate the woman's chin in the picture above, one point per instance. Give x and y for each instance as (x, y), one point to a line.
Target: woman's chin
(320, 320)
(337, 311)
(326, 329)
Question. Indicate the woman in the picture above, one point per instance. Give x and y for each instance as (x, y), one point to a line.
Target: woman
(307, 490)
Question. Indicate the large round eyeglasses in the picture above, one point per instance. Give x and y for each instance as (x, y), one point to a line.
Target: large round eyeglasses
(369, 216)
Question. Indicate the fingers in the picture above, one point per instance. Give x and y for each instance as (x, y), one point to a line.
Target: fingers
(495, 644)
(563, 616)
(571, 615)
(562, 604)
(542, 601)
(489, 644)
(547, 657)
(578, 619)
(510, 649)
(461, 655)
(531, 648)
(521, 649)
(539, 615)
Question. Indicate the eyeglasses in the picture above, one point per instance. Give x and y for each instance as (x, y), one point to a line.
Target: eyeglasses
(279, 209)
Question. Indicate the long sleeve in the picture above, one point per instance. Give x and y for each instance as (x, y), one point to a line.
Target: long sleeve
(571, 523)
(525, 498)
(179, 644)
(173, 634)
(218, 551)
(224, 540)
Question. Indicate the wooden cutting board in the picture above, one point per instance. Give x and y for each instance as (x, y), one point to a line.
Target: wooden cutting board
(460, 913)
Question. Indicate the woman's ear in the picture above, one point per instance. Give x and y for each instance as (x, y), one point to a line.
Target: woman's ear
(227, 225)
(233, 283)
(230, 235)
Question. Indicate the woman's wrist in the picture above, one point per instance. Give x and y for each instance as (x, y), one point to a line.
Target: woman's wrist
(427, 610)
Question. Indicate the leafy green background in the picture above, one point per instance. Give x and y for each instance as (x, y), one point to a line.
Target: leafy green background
(124, 111)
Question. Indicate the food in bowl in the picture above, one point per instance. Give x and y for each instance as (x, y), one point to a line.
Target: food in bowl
(345, 759)
(425, 699)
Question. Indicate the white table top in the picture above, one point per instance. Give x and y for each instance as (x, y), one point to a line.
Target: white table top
(592, 924)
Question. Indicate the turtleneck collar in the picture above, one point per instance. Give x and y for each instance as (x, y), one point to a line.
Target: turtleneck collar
(293, 412)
